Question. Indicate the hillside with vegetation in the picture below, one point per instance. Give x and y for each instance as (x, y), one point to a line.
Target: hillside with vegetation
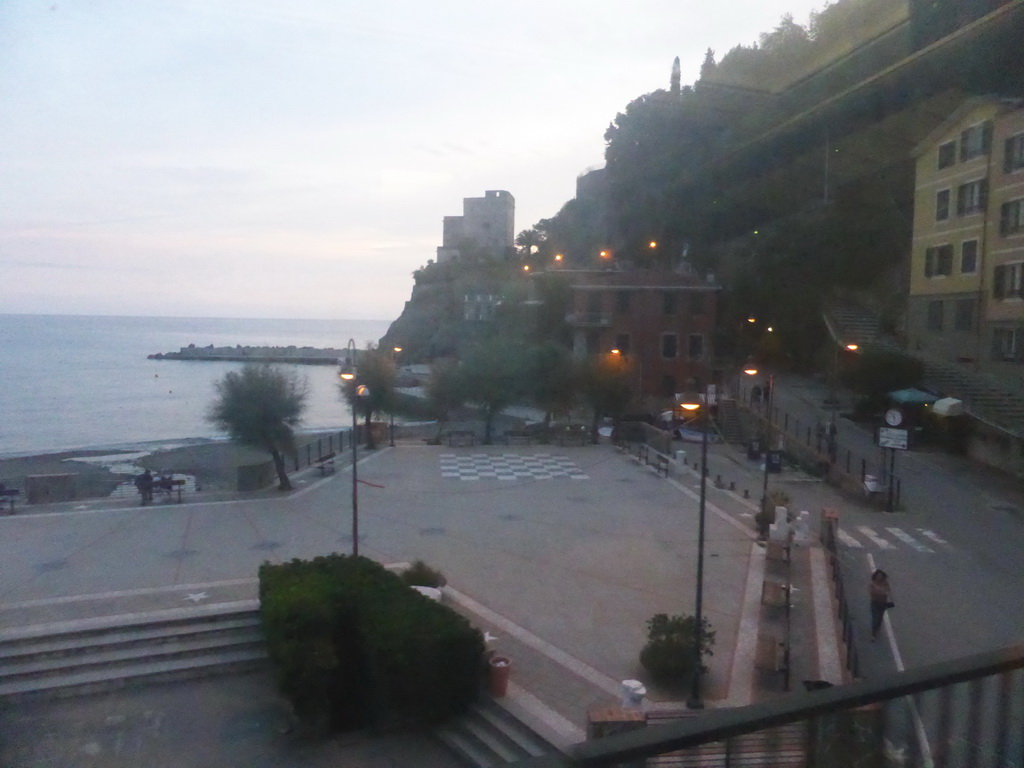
(785, 170)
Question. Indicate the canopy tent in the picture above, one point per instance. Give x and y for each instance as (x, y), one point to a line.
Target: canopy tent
(912, 397)
(948, 406)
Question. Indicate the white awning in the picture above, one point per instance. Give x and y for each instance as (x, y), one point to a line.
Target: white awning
(948, 406)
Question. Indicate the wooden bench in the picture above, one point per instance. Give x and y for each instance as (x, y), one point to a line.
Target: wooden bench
(573, 433)
(169, 486)
(461, 437)
(770, 655)
(661, 463)
(518, 437)
(778, 550)
(774, 594)
(7, 497)
(325, 464)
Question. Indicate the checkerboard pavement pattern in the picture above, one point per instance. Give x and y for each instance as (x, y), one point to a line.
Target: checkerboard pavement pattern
(508, 466)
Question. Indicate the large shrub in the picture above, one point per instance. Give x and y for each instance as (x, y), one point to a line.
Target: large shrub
(668, 654)
(354, 645)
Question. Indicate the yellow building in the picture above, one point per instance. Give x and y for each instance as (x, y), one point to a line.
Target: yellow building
(966, 302)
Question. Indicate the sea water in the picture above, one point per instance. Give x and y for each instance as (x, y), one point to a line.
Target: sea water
(71, 382)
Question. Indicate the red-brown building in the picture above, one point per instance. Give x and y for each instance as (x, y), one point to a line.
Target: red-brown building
(661, 322)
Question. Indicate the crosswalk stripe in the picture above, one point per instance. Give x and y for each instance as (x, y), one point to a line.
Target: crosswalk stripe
(848, 540)
(875, 538)
(933, 536)
(906, 538)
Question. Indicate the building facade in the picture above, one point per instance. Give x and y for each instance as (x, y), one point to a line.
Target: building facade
(966, 302)
(486, 228)
(661, 323)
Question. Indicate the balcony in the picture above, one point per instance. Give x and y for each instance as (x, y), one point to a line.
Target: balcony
(589, 319)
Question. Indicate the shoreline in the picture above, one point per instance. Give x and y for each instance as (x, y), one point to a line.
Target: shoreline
(100, 470)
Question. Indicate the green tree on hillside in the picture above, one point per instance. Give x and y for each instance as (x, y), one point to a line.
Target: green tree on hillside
(376, 372)
(604, 383)
(490, 377)
(260, 406)
(551, 379)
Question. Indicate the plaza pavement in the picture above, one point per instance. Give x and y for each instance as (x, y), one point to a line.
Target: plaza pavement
(563, 573)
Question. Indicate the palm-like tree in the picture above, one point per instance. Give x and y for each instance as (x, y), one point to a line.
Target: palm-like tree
(261, 406)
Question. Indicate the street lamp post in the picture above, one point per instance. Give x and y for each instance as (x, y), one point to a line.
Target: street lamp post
(348, 373)
(834, 399)
(695, 701)
(751, 370)
(394, 360)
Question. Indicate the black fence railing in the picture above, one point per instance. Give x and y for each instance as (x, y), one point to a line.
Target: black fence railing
(966, 713)
(829, 531)
(807, 444)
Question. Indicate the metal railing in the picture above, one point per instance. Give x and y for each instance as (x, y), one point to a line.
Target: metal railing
(829, 530)
(966, 713)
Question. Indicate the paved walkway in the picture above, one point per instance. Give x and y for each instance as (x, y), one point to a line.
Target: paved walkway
(562, 564)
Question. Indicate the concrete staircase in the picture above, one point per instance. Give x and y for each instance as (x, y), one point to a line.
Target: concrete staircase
(728, 422)
(488, 736)
(984, 396)
(851, 324)
(98, 654)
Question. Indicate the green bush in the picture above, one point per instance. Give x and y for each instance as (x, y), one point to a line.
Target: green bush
(353, 645)
(668, 654)
(422, 575)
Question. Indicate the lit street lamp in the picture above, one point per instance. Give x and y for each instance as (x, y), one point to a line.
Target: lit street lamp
(348, 373)
(692, 403)
(394, 360)
(833, 398)
(751, 370)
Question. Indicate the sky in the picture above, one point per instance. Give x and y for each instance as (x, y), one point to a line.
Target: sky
(251, 158)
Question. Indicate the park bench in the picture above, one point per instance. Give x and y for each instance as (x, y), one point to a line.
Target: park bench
(518, 437)
(774, 594)
(770, 654)
(169, 486)
(7, 497)
(778, 550)
(653, 458)
(461, 437)
(573, 433)
(661, 463)
(325, 464)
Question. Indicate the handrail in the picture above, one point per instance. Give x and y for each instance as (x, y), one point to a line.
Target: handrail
(720, 724)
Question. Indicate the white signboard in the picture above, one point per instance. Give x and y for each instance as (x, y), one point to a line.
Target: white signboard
(889, 437)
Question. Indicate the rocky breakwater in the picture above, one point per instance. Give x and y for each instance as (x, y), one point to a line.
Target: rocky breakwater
(238, 353)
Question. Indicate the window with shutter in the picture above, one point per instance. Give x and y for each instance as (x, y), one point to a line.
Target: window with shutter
(942, 205)
(1013, 153)
(945, 266)
(968, 257)
(669, 346)
(947, 154)
(976, 140)
(999, 282)
(1011, 217)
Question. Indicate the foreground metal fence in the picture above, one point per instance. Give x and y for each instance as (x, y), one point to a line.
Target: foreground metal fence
(967, 713)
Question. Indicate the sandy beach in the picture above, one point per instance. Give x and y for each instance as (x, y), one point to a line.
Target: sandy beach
(98, 472)
(213, 463)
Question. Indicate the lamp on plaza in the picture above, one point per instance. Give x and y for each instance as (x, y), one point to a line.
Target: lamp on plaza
(751, 370)
(833, 397)
(692, 403)
(348, 373)
(394, 363)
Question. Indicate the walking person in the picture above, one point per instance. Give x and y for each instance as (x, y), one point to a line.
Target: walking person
(144, 483)
(881, 600)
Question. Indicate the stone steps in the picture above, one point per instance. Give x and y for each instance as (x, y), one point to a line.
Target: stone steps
(487, 735)
(105, 653)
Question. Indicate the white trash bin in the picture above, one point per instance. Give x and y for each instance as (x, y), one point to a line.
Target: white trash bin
(633, 693)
